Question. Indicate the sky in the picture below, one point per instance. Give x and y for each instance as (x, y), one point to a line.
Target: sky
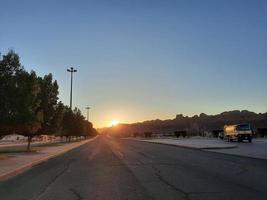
(144, 59)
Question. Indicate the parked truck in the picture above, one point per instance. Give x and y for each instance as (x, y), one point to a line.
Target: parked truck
(238, 132)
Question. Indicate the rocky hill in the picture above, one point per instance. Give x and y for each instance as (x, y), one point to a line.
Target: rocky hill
(196, 125)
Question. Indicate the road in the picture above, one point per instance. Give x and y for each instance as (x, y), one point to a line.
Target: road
(116, 169)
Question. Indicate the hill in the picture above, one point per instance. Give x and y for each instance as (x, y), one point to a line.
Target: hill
(195, 125)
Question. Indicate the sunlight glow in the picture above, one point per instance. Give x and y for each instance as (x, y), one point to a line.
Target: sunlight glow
(114, 122)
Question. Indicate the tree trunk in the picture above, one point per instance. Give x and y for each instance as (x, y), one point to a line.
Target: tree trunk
(29, 143)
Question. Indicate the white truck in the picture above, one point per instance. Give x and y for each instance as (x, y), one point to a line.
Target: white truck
(238, 132)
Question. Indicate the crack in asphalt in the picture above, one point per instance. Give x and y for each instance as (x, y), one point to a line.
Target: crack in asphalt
(185, 195)
(53, 180)
(158, 174)
(173, 187)
(77, 195)
(242, 171)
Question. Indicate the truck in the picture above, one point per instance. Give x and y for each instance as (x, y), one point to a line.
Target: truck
(238, 132)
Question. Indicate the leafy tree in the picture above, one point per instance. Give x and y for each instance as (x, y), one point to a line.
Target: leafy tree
(78, 122)
(10, 67)
(28, 115)
(30, 107)
(48, 102)
(75, 125)
(88, 131)
(57, 121)
(19, 100)
(72, 123)
(67, 123)
(10, 64)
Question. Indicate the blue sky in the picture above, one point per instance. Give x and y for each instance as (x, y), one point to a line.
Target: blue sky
(144, 59)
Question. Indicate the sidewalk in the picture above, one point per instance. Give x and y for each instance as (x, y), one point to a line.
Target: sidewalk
(193, 143)
(12, 164)
(256, 149)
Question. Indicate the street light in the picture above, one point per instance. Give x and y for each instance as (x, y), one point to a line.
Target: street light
(71, 70)
(88, 108)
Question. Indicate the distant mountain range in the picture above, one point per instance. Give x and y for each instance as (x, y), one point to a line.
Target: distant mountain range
(196, 125)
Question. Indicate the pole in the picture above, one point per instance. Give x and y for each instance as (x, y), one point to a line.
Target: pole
(71, 75)
(88, 108)
(87, 114)
(71, 70)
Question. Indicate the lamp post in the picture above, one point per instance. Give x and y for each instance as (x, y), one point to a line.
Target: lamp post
(71, 70)
(88, 108)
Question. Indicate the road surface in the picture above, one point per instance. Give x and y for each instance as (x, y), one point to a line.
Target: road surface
(116, 169)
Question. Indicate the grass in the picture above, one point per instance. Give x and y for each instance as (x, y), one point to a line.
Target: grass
(34, 147)
(19, 149)
(49, 144)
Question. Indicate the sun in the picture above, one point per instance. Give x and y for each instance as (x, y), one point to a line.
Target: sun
(114, 122)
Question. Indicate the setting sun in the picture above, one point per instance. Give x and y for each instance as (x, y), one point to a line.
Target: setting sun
(114, 122)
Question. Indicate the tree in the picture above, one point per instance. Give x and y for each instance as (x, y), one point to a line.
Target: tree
(75, 125)
(30, 107)
(10, 67)
(68, 123)
(57, 121)
(28, 116)
(78, 123)
(88, 131)
(19, 100)
(48, 102)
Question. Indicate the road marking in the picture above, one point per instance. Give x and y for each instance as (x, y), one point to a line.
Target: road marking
(120, 154)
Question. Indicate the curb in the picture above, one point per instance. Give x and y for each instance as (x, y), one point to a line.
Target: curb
(23, 168)
(184, 146)
(228, 147)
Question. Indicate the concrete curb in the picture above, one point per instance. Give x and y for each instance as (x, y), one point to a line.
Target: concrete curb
(23, 168)
(229, 147)
(184, 146)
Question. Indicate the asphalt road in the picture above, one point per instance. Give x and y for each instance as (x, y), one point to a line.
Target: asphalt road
(116, 169)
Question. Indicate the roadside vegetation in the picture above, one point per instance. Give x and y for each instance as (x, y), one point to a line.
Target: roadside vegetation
(34, 147)
(30, 106)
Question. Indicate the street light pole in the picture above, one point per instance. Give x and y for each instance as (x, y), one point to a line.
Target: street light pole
(88, 108)
(71, 70)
